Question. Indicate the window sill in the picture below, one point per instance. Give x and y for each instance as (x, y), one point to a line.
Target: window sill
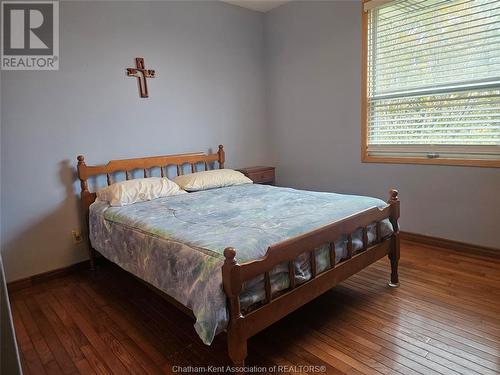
(442, 161)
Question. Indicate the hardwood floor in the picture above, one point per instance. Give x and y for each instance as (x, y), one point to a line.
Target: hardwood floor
(444, 319)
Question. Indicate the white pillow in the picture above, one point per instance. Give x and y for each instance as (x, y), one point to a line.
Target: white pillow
(138, 190)
(211, 179)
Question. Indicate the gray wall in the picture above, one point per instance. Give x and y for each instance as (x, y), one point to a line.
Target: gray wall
(313, 73)
(209, 58)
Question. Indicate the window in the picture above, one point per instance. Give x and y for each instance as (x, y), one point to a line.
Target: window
(431, 82)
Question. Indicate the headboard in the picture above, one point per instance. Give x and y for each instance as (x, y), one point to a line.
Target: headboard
(146, 164)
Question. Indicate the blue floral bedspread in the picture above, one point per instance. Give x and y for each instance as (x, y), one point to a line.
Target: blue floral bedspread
(176, 243)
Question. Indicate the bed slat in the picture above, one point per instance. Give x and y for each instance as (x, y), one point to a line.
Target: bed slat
(161, 171)
(332, 254)
(178, 169)
(349, 246)
(206, 166)
(312, 254)
(291, 273)
(108, 179)
(193, 168)
(127, 175)
(267, 284)
(365, 238)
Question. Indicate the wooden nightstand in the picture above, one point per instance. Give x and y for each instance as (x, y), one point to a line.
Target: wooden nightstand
(260, 174)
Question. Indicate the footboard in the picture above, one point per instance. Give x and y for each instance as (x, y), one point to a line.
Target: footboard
(274, 308)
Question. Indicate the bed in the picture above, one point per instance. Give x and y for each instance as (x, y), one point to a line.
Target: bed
(239, 257)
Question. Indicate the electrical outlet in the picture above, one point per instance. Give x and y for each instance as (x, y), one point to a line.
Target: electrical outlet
(77, 236)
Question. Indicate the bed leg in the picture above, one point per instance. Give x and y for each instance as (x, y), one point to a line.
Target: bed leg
(237, 350)
(394, 258)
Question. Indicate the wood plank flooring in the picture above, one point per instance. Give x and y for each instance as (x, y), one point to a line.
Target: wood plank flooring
(444, 319)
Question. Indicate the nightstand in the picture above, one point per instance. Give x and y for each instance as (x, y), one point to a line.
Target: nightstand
(260, 174)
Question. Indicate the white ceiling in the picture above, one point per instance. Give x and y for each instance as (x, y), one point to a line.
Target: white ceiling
(258, 5)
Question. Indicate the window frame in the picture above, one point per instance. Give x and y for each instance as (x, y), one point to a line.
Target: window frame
(365, 157)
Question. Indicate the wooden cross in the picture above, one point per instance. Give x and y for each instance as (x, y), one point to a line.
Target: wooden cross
(141, 73)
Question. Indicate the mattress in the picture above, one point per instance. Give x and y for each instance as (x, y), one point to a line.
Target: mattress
(177, 243)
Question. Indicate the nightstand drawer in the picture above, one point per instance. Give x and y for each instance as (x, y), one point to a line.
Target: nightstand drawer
(261, 177)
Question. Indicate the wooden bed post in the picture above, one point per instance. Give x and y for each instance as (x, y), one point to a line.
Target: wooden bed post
(87, 198)
(236, 341)
(222, 156)
(394, 250)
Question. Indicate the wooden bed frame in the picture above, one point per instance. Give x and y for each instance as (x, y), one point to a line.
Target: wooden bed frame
(243, 326)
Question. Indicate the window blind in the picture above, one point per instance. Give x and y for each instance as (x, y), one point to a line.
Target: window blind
(434, 79)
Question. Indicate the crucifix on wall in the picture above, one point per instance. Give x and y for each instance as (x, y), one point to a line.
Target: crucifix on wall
(141, 73)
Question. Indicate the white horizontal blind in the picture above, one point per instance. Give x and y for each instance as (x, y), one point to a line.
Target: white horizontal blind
(434, 79)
